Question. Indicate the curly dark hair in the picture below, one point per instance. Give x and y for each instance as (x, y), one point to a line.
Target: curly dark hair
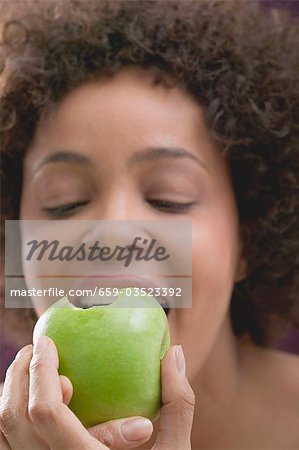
(242, 67)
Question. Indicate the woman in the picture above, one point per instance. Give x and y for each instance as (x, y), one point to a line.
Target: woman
(106, 80)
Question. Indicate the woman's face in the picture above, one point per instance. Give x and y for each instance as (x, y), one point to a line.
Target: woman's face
(101, 125)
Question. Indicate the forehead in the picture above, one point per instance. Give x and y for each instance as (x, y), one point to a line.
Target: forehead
(122, 113)
(131, 90)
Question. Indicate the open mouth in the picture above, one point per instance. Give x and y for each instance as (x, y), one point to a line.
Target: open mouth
(87, 306)
(86, 302)
(166, 310)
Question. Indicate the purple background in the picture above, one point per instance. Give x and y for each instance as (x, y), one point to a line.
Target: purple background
(291, 5)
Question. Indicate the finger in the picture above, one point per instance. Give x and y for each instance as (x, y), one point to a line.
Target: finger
(123, 433)
(176, 415)
(17, 377)
(53, 420)
(13, 409)
(66, 388)
(3, 442)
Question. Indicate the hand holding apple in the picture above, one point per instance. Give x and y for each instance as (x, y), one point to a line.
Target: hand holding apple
(111, 354)
(40, 395)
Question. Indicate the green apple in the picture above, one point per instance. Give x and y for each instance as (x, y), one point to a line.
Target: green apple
(111, 354)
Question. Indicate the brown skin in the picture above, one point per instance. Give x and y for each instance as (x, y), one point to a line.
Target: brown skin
(243, 67)
(237, 385)
(239, 63)
(109, 121)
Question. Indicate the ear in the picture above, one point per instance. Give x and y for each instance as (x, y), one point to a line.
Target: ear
(242, 265)
(242, 270)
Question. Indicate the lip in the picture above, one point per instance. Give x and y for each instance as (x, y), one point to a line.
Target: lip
(116, 281)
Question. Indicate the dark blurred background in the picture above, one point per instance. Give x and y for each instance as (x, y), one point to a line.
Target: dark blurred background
(291, 5)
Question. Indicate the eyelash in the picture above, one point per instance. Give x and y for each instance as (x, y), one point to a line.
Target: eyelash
(64, 210)
(171, 207)
(174, 206)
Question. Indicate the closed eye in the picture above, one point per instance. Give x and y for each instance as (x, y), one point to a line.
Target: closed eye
(169, 206)
(65, 210)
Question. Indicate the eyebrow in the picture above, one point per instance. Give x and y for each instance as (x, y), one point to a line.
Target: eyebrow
(65, 156)
(149, 154)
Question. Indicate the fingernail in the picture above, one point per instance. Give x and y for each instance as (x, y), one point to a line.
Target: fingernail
(136, 429)
(41, 344)
(24, 351)
(180, 360)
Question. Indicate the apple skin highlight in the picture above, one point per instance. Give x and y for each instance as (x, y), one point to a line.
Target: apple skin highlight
(111, 354)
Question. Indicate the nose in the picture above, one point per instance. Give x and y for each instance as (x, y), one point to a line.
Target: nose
(120, 238)
(119, 202)
(121, 222)
(113, 233)
(120, 219)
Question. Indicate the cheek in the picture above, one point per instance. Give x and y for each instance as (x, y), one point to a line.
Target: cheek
(214, 259)
(45, 273)
(215, 248)
(214, 262)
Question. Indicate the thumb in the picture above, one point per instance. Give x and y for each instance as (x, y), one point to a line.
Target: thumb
(176, 414)
(123, 433)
